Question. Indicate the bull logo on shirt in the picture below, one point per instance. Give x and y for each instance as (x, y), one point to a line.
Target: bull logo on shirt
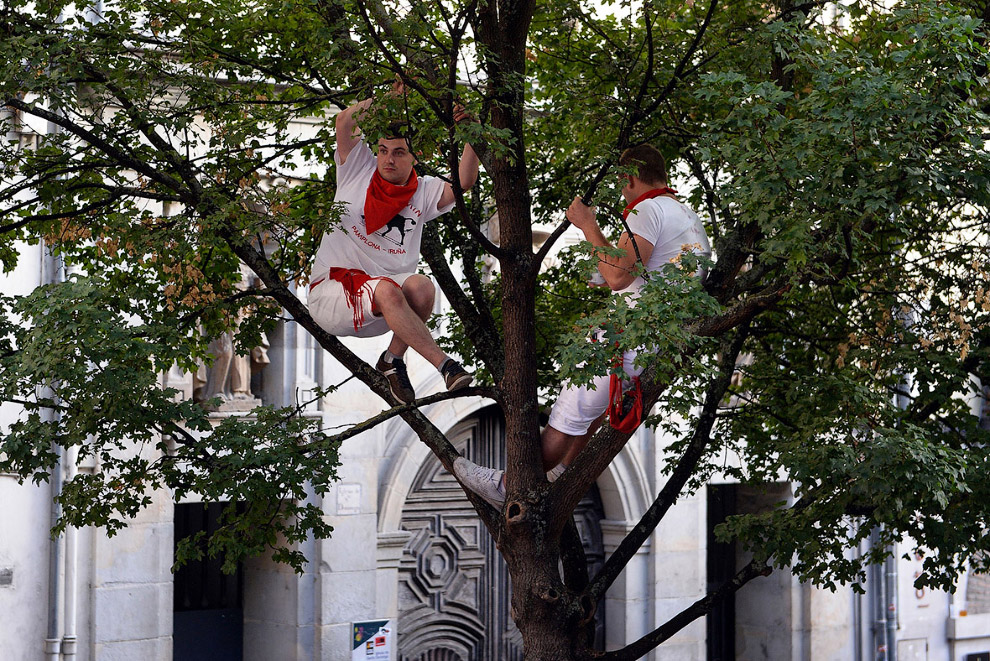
(398, 223)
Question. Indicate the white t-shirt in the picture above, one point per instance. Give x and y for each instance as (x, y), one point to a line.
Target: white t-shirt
(395, 247)
(669, 225)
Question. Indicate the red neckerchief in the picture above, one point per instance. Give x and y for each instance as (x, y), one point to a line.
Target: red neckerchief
(353, 282)
(385, 199)
(648, 195)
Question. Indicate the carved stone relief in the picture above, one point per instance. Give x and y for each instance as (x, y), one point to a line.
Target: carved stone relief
(453, 586)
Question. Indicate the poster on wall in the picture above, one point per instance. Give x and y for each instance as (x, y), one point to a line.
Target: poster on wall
(374, 640)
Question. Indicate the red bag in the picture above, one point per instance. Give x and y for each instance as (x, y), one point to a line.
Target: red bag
(625, 408)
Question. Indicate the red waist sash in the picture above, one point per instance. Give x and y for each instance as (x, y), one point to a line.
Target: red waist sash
(353, 281)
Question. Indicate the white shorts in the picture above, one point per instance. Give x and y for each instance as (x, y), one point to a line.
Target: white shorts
(328, 305)
(577, 407)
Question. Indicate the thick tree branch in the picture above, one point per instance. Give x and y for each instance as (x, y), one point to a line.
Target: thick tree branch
(700, 608)
(743, 311)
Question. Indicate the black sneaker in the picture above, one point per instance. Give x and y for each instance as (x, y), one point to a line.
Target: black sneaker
(398, 379)
(455, 376)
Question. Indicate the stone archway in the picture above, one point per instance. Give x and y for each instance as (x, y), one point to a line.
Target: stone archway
(453, 587)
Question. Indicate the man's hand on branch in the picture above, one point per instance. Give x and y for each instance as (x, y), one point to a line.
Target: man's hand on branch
(581, 215)
(461, 114)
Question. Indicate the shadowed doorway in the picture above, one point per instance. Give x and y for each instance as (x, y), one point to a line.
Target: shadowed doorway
(453, 585)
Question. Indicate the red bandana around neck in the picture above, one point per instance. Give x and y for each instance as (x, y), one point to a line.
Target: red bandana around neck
(648, 195)
(385, 199)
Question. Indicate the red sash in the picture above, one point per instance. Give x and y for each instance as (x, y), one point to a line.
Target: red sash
(625, 408)
(353, 282)
(625, 422)
(384, 200)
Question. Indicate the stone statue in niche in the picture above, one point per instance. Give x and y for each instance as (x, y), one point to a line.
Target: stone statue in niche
(229, 376)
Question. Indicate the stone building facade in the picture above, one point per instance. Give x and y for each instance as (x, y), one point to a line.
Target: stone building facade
(407, 547)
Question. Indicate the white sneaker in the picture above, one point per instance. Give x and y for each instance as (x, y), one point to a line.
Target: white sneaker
(484, 481)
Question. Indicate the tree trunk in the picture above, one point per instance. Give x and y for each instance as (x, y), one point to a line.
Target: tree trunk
(544, 612)
(549, 616)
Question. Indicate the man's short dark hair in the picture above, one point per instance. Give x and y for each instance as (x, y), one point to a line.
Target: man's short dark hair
(649, 163)
(400, 130)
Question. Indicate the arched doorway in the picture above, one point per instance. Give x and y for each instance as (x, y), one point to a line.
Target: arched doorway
(453, 585)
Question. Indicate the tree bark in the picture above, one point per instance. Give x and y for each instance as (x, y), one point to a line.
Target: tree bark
(541, 607)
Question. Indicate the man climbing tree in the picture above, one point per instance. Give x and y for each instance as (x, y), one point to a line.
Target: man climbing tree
(659, 229)
(363, 281)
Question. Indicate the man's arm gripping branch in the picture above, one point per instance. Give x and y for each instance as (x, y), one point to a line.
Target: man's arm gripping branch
(619, 271)
(467, 168)
(467, 174)
(348, 132)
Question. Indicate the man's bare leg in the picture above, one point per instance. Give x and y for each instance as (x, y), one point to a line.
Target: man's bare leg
(561, 448)
(405, 311)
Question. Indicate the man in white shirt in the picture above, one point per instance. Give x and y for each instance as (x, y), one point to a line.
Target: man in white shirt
(659, 226)
(364, 279)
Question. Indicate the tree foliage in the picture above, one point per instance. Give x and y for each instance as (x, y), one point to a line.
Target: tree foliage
(837, 153)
